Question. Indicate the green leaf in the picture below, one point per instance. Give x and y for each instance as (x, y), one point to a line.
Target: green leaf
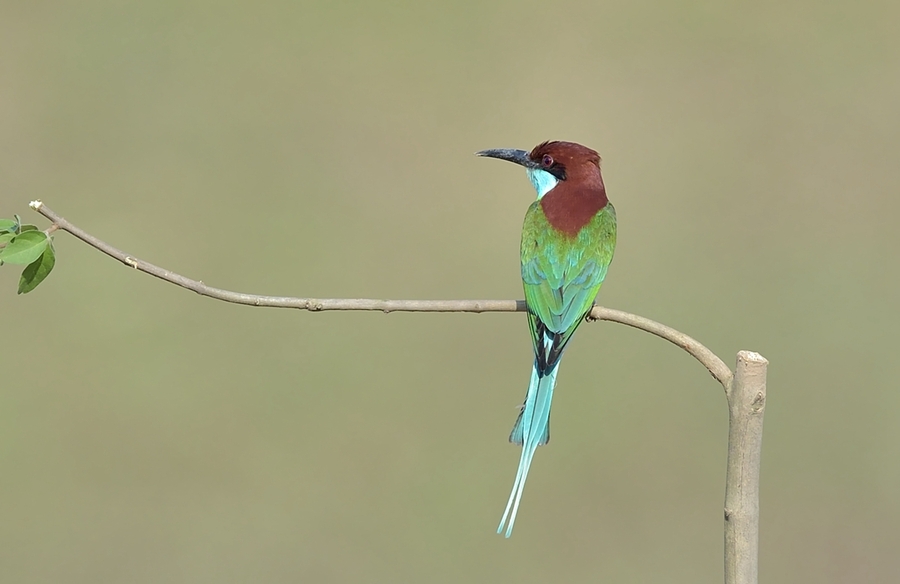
(25, 228)
(35, 272)
(4, 239)
(9, 225)
(25, 248)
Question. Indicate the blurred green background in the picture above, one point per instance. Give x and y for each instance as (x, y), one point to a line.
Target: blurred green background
(326, 149)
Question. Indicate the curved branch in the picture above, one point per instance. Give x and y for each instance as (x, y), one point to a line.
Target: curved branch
(745, 391)
(707, 358)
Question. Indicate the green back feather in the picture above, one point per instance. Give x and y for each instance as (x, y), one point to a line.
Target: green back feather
(562, 274)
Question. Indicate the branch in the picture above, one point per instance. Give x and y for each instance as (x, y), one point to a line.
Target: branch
(745, 390)
(707, 358)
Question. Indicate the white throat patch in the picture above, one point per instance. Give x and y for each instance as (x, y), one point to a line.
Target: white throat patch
(542, 180)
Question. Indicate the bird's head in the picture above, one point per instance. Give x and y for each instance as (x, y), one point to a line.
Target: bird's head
(551, 162)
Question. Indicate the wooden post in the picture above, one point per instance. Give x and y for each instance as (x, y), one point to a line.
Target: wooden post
(746, 405)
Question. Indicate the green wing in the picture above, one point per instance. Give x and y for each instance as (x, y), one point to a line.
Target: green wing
(562, 276)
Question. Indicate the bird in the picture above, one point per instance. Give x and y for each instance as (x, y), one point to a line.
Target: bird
(568, 241)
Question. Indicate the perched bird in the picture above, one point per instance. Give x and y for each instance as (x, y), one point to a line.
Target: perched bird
(567, 245)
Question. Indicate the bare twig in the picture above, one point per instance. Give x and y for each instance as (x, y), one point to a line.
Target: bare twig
(745, 391)
(716, 367)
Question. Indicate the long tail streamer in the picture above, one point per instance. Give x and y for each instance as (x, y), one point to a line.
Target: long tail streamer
(532, 429)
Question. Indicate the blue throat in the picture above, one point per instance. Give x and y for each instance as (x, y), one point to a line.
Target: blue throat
(542, 180)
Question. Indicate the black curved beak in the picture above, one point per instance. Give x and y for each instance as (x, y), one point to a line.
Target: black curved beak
(520, 157)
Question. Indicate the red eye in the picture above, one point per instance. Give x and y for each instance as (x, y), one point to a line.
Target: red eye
(547, 161)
